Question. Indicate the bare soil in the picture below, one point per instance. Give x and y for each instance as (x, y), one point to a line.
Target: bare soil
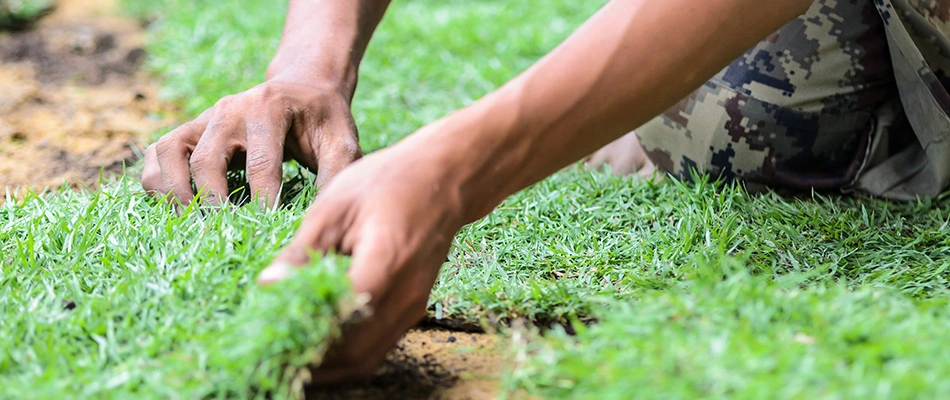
(432, 364)
(74, 101)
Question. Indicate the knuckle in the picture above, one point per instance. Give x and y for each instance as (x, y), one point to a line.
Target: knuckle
(174, 139)
(259, 162)
(324, 97)
(225, 101)
(190, 126)
(351, 148)
(151, 178)
(200, 161)
(165, 144)
(150, 153)
(268, 93)
(348, 149)
(294, 254)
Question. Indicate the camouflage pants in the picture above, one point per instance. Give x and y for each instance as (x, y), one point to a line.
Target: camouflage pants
(800, 110)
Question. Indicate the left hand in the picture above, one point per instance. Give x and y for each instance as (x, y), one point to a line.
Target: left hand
(625, 157)
(286, 117)
(395, 213)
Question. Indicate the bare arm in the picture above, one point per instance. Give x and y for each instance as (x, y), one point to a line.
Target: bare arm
(397, 210)
(325, 40)
(628, 63)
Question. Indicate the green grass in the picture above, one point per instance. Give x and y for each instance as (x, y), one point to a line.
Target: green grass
(582, 238)
(726, 333)
(697, 290)
(426, 59)
(110, 294)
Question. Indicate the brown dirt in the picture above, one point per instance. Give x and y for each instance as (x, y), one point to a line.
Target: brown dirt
(432, 364)
(74, 99)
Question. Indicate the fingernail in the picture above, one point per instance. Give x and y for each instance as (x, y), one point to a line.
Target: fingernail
(276, 272)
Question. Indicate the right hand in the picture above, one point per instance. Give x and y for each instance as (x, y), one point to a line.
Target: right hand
(255, 130)
(395, 212)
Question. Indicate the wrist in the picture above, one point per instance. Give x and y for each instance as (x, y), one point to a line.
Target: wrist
(478, 156)
(342, 82)
(324, 40)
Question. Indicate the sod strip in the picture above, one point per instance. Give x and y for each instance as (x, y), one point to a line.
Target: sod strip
(110, 294)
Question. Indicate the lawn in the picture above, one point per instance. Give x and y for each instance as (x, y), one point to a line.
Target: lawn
(668, 290)
(110, 294)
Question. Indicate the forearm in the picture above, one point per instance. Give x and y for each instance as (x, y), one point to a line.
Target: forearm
(324, 40)
(628, 63)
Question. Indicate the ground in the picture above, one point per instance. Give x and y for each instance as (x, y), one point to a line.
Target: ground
(75, 101)
(80, 107)
(594, 286)
(432, 364)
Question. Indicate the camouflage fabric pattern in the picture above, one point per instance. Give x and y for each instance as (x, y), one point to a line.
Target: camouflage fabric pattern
(794, 111)
(813, 106)
(927, 23)
(912, 162)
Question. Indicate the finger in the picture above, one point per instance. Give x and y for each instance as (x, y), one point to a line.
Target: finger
(172, 152)
(278, 270)
(623, 164)
(648, 171)
(372, 263)
(152, 172)
(265, 155)
(334, 155)
(209, 161)
(320, 231)
(598, 159)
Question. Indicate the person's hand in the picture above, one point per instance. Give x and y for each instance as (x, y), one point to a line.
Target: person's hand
(256, 131)
(625, 157)
(395, 213)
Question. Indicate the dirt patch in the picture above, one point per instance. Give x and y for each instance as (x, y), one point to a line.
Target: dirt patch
(432, 364)
(74, 99)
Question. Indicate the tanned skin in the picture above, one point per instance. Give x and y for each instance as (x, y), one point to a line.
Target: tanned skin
(301, 111)
(397, 210)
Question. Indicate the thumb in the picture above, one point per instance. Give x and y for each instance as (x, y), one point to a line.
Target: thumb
(283, 266)
(337, 153)
(276, 272)
(322, 230)
(152, 173)
(314, 235)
